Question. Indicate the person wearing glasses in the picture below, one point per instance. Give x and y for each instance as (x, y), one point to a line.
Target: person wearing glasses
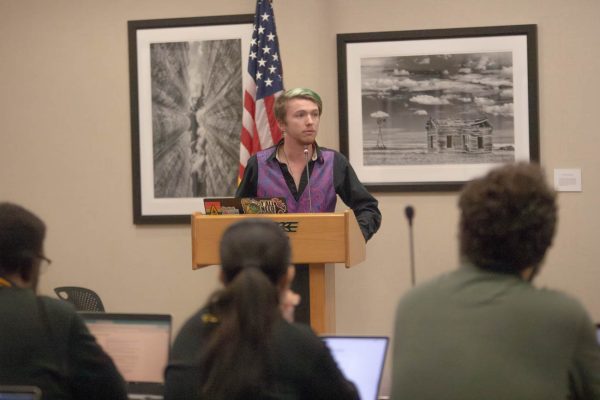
(43, 342)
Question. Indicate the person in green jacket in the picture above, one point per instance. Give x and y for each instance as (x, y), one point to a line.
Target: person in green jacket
(484, 331)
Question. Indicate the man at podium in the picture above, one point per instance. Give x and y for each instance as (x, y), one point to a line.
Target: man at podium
(308, 176)
(281, 170)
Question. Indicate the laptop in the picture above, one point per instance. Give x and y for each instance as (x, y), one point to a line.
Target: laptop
(139, 345)
(244, 205)
(361, 359)
(20, 393)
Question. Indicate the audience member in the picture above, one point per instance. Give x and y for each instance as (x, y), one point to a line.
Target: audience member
(484, 331)
(238, 346)
(43, 342)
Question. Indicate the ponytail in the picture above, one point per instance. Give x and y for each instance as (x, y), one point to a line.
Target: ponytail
(235, 360)
(255, 254)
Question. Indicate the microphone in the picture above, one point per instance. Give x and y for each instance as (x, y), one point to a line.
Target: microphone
(409, 211)
(308, 178)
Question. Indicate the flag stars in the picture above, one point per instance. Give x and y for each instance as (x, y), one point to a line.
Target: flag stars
(264, 80)
(264, 61)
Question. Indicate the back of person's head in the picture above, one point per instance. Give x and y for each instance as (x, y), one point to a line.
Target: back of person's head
(255, 243)
(255, 255)
(508, 218)
(280, 107)
(21, 238)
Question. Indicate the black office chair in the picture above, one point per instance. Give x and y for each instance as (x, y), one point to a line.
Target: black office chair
(83, 299)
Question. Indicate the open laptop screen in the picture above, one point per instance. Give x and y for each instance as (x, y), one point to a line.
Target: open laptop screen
(138, 344)
(361, 359)
(20, 393)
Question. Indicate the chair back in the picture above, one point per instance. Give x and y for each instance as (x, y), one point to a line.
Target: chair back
(82, 298)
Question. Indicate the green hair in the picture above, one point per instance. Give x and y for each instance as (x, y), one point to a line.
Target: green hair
(296, 93)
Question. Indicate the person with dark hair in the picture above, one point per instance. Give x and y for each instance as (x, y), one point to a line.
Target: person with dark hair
(281, 171)
(484, 331)
(238, 346)
(43, 342)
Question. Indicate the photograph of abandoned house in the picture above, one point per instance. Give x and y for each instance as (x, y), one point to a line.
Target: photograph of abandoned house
(438, 109)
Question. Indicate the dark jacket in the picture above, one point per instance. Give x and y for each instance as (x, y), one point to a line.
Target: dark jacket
(44, 343)
(302, 366)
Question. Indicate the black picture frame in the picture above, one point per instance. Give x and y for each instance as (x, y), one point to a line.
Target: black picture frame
(440, 120)
(233, 34)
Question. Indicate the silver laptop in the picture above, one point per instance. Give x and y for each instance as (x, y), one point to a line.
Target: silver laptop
(139, 345)
(361, 359)
(20, 393)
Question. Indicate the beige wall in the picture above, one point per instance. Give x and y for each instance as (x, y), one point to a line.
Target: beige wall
(65, 147)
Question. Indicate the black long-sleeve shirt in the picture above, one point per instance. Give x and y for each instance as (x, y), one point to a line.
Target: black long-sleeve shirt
(345, 181)
(301, 365)
(44, 343)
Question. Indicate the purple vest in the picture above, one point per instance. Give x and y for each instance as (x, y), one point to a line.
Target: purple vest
(271, 183)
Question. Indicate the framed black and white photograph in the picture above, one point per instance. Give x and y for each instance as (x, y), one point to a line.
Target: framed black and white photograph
(429, 110)
(186, 110)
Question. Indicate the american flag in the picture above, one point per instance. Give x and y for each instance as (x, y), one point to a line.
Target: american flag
(263, 86)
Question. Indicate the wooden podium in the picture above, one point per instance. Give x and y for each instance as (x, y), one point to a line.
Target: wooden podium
(316, 239)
